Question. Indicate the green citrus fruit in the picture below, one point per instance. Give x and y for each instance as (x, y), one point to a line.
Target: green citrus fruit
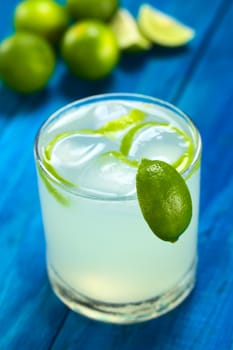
(90, 49)
(164, 199)
(96, 9)
(42, 17)
(127, 32)
(27, 62)
(163, 29)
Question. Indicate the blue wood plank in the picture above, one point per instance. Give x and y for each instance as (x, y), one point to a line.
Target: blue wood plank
(204, 320)
(34, 109)
(210, 101)
(31, 316)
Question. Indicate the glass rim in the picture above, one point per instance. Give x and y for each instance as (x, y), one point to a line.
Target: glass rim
(117, 96)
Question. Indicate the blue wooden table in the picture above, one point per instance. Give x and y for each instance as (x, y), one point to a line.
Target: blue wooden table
(198, 79)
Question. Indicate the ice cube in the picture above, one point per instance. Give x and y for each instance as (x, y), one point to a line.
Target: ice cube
(158, 142)
(104, 112)
(108, 176)
(72, 152)
(81, 117)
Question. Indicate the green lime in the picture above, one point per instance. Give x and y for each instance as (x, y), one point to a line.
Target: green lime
(128, 35)
(42, 17)
(90, 49)
(97, 9)
(163, 29)
(164, 199)
(27, 62)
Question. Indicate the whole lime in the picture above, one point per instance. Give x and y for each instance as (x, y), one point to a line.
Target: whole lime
(90, 49)
(164, 199)
(98, 9)
(43, 17)
(27, 62)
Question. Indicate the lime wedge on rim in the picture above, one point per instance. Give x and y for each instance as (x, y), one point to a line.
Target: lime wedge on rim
(163, 29)
(164, 199)
(127, 33)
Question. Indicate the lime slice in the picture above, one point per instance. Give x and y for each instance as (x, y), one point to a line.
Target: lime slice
(163, 29)
(127, 33)
(164, 199)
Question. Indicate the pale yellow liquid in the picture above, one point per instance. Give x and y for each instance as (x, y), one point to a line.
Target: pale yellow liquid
(99, 244)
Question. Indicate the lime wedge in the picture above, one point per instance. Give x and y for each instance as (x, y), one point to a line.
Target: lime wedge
(163, 29)
(127, 33)
(164, 199)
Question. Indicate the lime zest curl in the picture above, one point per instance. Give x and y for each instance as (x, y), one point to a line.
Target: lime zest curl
(55, 174)
(127, 140)
(51, 189)
(132, 123)
(135, 116)
(132, 162)
(185, 160)
(180, 164)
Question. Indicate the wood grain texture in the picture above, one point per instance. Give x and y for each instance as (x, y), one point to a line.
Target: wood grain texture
(198, 79)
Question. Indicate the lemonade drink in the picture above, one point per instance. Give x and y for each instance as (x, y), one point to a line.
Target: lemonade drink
(103, 259)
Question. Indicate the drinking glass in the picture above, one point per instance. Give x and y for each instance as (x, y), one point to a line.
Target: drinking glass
(103, 260)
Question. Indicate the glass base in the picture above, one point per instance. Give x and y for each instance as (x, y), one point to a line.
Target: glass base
(123, 313)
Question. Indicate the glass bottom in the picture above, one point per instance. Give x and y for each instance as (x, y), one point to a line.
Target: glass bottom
(123, 313)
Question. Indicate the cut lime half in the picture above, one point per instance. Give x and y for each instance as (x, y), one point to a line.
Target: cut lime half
(163, 29)
(126, 30)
